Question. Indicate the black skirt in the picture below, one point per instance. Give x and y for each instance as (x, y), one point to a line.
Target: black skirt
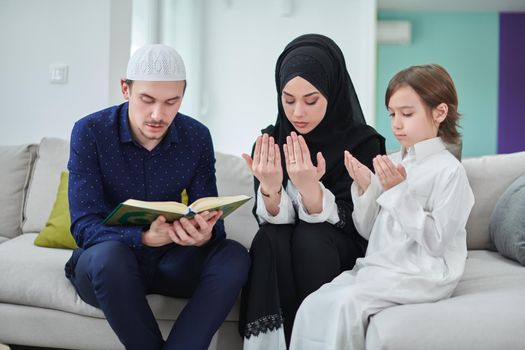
(288, 263)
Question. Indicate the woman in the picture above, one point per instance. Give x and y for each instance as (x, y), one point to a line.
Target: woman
(304, 204)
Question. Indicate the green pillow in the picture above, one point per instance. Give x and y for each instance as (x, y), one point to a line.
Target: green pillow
(56, 233)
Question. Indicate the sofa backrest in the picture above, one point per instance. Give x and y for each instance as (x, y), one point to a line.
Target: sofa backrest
(53, 154)
(489, 177)
(233, 177)
(16, 164)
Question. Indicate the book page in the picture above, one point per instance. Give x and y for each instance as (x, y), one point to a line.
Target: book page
(227, 204)
(174, 207)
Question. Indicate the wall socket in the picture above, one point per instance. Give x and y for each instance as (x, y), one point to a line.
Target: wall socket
(58, 73)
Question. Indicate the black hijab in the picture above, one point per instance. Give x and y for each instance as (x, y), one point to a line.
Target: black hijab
(319, 60)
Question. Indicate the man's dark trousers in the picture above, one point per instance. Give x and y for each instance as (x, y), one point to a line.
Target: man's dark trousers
(116, 279)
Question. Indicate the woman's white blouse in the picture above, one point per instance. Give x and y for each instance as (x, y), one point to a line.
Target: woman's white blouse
(291, 205)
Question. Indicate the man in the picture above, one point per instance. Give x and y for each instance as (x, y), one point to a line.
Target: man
(144, 149)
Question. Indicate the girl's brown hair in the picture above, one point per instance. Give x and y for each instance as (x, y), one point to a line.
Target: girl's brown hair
(434, 86)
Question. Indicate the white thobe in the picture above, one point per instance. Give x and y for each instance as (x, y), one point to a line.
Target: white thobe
(416, 251)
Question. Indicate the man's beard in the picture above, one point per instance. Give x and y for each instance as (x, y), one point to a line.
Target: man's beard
(153, 137)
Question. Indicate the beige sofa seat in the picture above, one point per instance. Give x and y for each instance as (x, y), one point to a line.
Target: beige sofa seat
(486, 312)
(44, 284)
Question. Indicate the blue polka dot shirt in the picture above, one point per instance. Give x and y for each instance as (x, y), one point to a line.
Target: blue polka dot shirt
(107, 166)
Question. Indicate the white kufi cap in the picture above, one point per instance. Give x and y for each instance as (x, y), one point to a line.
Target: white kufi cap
(156, 63)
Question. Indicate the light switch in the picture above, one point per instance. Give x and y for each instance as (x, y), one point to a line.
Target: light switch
(58, 73)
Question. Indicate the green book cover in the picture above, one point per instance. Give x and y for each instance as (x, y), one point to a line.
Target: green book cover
(140, 213)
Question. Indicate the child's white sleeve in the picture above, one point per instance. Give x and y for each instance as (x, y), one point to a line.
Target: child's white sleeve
(433, 229)
(329, 212)
(366, 207)
(286, 213)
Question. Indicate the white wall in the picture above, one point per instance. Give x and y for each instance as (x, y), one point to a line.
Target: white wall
(119, 47)
(230, 48)
(37, 33)
(181, 27)
(241, 42)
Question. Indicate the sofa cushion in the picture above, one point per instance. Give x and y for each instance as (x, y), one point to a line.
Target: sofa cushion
(489, 176)
(485, 312)
(57, 233)
(53, 154)
(233, 177)
(36, 278)
(507, 224)
(15, 169)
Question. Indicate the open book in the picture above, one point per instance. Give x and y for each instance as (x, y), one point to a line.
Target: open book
(135, 212)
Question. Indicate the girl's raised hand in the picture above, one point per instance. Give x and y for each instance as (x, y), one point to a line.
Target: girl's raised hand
(357, 171)
(266, 164)
(304, 175)
(388, 173)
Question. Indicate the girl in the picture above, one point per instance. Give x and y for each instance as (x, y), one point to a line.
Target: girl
(304, 206)
(413, 212)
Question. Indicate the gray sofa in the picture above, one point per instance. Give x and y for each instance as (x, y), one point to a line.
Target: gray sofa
(39, 307)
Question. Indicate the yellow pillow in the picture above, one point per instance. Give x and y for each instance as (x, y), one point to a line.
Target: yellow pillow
(56, 233)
